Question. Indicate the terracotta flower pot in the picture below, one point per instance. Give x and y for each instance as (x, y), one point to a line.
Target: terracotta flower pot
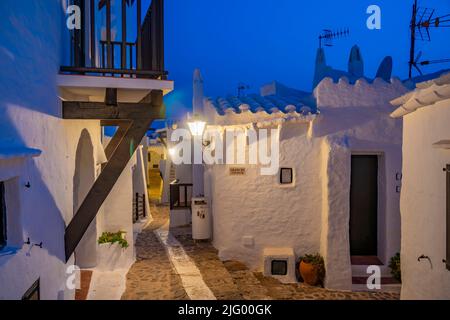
(310, 273)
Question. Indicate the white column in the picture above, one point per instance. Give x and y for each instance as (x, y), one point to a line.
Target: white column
(197, 106)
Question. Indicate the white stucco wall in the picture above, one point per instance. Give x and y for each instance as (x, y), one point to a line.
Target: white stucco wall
(313, 215)
(258, 206)
(117, 215)
(30, 115)
(156, 155)
(423, 203)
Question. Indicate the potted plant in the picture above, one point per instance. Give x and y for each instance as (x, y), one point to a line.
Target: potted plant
(394, 265)
(118, 237)
(312, 269)
(113, 252)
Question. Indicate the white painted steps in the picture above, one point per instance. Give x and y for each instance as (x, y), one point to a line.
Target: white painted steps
(361, 271)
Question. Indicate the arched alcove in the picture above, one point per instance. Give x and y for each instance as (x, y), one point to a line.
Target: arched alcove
(83, 179)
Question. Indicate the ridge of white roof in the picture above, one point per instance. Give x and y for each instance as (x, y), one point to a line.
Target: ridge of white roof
(426, 94)
(255, 103)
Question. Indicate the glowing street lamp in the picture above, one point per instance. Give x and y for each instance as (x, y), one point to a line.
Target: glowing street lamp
(197, 126)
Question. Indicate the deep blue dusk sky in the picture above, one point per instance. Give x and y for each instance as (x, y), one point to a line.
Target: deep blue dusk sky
(257, 41)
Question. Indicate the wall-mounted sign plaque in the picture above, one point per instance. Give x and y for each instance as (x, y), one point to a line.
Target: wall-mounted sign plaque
(238, 171)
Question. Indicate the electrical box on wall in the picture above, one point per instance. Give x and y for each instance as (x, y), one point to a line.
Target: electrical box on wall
(279, 263)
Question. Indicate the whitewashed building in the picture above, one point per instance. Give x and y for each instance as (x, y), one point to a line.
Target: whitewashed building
(336, 190)
(61, 183)
(425, 196)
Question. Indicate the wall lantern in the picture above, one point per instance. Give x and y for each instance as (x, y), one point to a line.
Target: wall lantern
(196, 125)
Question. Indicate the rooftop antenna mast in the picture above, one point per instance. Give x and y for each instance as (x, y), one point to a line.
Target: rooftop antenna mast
(421, 21)
(327, 36)
(241, 88)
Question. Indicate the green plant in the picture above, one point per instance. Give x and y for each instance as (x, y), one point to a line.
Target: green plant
(394, 265)
(117, 237)
(316, 260)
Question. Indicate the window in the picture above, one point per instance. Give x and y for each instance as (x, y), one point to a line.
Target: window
(2, 216)
(286, 176)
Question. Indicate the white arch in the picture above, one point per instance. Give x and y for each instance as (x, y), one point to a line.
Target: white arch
(83, 179)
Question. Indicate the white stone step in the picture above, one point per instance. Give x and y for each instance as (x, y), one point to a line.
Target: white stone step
(361, 271)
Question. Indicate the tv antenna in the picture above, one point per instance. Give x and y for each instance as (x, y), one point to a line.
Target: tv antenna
(327, 36)
(421, 21)
(241, 88)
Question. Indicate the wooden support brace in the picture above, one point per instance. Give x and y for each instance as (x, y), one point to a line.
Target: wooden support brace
(138, 118)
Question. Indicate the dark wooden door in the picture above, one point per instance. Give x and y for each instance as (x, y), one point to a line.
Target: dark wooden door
(364, 205)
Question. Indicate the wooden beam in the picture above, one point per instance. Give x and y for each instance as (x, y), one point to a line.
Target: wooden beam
(109, 49)
(116, 139)
(111, 97)
(112, 123)
(101, 4)
(139, 35)
(92, 36)
(126, 143)
(102, 111)
(142, 73)
(123, 54)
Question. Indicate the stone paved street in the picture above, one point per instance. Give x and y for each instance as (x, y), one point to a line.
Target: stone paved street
(153, 276)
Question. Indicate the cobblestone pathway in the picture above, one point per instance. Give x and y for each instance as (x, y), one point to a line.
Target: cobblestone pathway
(214, 273)
(153, 276)
(280, 291)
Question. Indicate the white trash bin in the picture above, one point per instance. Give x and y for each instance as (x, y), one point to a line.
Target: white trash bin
(201, 219)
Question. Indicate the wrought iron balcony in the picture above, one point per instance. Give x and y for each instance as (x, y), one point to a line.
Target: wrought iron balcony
(95, 52)
(180, 195)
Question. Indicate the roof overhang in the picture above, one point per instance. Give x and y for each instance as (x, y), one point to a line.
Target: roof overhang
(13, 153)
(93, 88)
(427, 93)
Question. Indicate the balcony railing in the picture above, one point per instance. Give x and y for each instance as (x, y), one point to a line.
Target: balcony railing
(139, 210)
(180, 195)
(141, 58)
